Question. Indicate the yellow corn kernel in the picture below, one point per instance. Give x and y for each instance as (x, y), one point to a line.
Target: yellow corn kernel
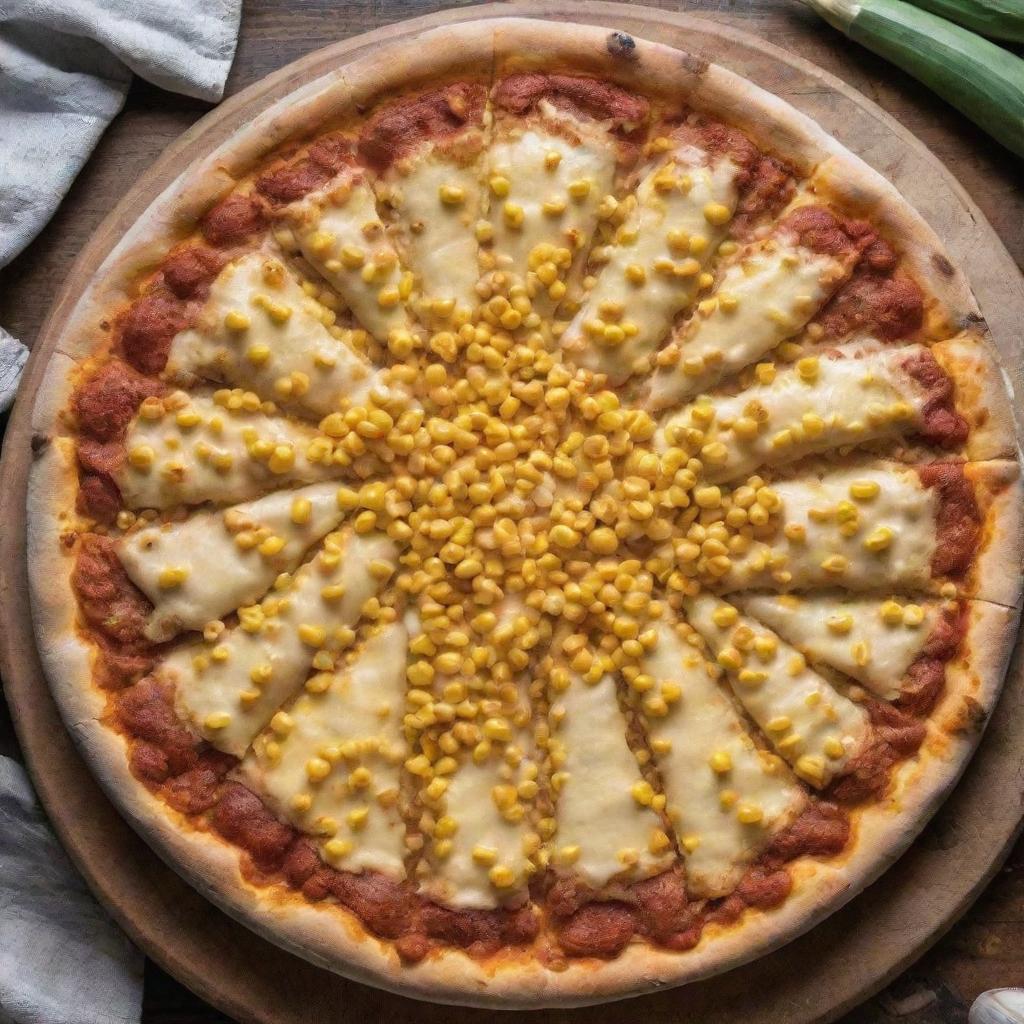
(643, 792)
(840, 623)
(811, 768)
(580, 188)
(172, 576)
(302, 511)
(891, 612)
(749, 814)
(312, 636)
(864, 490)
(236, 320)
(451, 195)
(217, 720)
(879, 539)
(141, 456)
(717, 214)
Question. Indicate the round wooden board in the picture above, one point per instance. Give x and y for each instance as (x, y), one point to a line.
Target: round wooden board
(813, 979)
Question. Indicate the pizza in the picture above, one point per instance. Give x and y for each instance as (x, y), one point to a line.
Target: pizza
(529, 520)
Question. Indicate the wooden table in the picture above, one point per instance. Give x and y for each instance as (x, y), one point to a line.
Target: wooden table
(986, 949)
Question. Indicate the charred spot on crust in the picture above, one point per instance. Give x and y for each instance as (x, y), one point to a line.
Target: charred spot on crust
(942, 265)
(621, 45)
(694, 64)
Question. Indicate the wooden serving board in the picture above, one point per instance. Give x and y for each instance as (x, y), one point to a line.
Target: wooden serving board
(813, 979)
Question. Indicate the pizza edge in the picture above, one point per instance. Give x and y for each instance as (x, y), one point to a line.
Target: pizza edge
(336, 940)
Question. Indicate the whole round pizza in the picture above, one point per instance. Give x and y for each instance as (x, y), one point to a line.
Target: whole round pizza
(529, 520)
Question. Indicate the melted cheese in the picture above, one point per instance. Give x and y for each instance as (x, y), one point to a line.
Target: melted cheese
(207, 452)
(817, 406)
(259, 330)
(603, 831)
(668, 277)
(490, 831)
(330, 763)
(340, 233)
(229, 540)
(231, 686)
(807, 722)
(711, 769)
(828, 535)
(517, 216)
(485, 839)
(437, 238)
(766, 295)
(873, 641)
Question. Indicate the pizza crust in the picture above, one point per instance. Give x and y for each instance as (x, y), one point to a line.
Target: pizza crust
(334, 939)
(996, 573)
(982, 395)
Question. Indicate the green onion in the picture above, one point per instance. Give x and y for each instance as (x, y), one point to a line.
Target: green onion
(997, 19)
(980, 79)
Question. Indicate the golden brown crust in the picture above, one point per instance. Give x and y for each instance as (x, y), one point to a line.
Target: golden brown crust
(884, 830)
(996, 573)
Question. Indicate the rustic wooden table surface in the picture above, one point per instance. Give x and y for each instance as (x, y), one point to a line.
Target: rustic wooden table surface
(986, 949)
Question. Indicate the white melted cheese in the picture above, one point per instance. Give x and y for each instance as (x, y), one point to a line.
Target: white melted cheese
(607, 832)
(860, 636)
(437, 239)
(765, 295)
(267, 657)
(520, 159)
(711, 770)
(460, 879)
(284, 335)
(340, 233)
(827, 535)
(354, 729)
(221, 539)
(819, 406)
(651, 305)
(809, 723)
(486, 839)
(213, 460)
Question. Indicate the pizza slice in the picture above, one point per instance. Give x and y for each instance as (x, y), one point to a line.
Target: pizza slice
(558, 143)
(609, 822)
(938, 528)
(891, 645)
(478, 801)
(259, 329)
(424, 152)
(250, 544)
(330, 761)
(840, 400)
(338, 230)
(230, 685)
(656, 251)
(766, 293)
(806, 720)
(480, 854)
(726, 796)
(228, 446)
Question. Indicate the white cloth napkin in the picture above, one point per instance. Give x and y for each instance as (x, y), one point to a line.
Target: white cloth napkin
(12, 360)
(63, 961)
(65, 68)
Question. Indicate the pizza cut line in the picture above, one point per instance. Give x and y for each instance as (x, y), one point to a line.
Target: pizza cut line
(536, 524)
